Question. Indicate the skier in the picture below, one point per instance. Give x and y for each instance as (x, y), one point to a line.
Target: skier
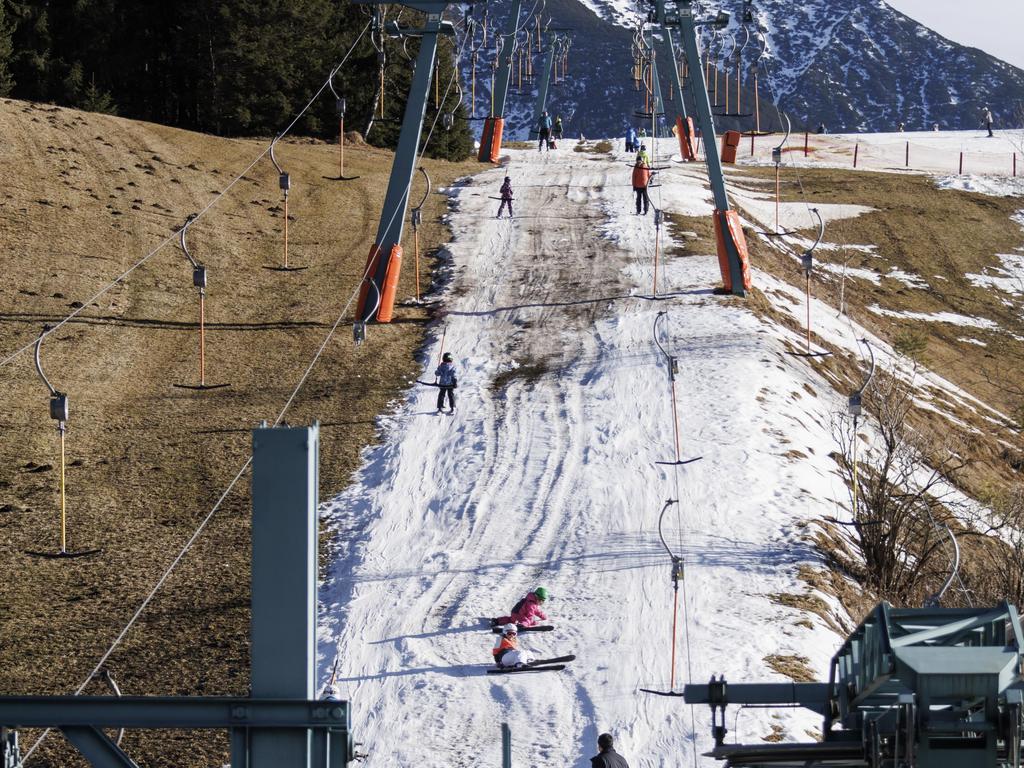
(506, 649)
(901, 127)
(607, 757)
(506, 197)
(526, 612)
(556, 133)
(986, 119)
(447, 382)
(631, 140)
(544, 128)
(641, 178)
(822, 128)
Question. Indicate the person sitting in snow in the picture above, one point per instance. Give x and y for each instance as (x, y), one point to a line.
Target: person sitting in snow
(506, 651)
(446, 381)
(527, 612)
(506, 197)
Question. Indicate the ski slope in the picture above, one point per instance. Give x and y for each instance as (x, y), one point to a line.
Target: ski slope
(546, 475)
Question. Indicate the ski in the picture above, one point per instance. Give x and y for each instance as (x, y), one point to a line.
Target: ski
(555, 660)
(544, 628)
(534, 668)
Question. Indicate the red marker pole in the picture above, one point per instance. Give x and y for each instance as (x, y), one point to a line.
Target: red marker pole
(908, 155)
(856, 150)
(961, 172)
(1014, 163)
(807, 143)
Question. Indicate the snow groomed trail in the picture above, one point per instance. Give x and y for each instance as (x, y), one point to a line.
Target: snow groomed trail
(546, 476)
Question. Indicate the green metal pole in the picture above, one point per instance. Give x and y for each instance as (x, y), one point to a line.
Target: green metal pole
(507, 55)
(545, 80)
(699, 92)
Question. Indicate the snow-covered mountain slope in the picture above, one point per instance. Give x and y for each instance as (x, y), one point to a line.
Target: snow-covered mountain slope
(855, 65)
(546, 475)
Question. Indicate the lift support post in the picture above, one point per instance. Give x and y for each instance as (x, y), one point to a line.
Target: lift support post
(494, 125)
(383, 265)
(732, 245)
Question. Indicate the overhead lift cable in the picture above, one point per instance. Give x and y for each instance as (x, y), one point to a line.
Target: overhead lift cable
(174, 235)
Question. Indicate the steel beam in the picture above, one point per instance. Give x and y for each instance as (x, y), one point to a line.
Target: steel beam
(813, 696)
(95, 747)
(177, 712)
(545, 81)
(285, 493)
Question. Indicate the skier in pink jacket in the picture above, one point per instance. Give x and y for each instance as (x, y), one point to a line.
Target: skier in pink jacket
(527, 612)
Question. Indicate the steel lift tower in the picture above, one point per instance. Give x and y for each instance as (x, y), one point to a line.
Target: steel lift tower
(494, 126)
(383, 265)
(281, 724)
(732, 244)
(910, 688)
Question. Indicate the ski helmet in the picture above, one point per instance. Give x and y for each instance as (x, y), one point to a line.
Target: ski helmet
(541, 593)
(446, 357)
(508, 178)
(643, 147)
(510, 629)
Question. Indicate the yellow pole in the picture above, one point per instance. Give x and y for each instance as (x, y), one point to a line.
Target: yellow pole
(63, 495)
(854, 468)
(286, 231)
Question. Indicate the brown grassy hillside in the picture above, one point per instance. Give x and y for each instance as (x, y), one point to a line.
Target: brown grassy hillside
(84, 197)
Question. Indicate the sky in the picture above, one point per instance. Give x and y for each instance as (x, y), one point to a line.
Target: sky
(995, 26)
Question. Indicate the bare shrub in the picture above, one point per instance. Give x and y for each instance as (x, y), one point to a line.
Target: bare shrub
(903, 480)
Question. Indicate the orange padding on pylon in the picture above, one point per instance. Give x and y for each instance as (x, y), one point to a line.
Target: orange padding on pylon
(490, 140)
(496, 134)
(730, 221)
(730, 145)
(685, 133)
(387, 299)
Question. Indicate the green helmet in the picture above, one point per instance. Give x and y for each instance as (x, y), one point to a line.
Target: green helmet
(541, 593)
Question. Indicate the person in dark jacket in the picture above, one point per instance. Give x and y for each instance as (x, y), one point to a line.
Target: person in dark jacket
(446, 382)
(607, 757)
(544, 130)
(506, 197)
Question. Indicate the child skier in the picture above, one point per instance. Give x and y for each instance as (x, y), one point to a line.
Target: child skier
(506, 197)
(506, 649)
(556, 133)
(526, 612)
(447, 382)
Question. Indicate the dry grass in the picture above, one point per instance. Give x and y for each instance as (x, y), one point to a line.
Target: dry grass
(796, 668)
(86, 196)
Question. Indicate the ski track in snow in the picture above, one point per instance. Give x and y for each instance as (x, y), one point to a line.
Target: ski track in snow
(548, 478)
